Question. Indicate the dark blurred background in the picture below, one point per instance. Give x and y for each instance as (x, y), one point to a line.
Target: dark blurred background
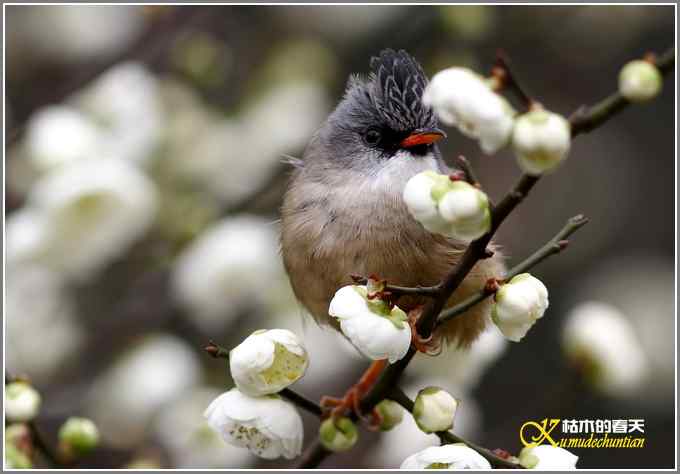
(202, 102)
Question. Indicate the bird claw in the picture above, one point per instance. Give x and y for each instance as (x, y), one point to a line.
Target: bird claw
(427, 345)
(351, 401)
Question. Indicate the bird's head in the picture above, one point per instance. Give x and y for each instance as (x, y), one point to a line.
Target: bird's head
(382, 116)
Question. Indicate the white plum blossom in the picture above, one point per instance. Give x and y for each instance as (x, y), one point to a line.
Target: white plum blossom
(268, 361)
(640, 81)
(451, 208)
(268, 426)
(376, 331)
(226, 269)
(125, 103)
(420, 200)
(189, 441)
(547, 457)
(466, 208)
(434, 410)
(59, 134)
(464, 99)
(541, 140)
(87, 214)
(51, 316)
(598, 338)
(449, 456)
(518, 304)
(338, 435)
(22, 402)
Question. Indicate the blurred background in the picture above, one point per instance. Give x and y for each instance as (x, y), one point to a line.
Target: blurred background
(144, 173)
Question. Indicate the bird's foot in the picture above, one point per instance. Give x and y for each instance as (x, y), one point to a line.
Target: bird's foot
(351, 401)
(427, 345)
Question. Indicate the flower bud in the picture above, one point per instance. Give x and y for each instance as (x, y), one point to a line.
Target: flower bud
(541, 140)
(434, 410)
(518, 304)
(376, 330)
(464, 99)
(640, 81)
(391, 414)
(467, 209)
(78, 436)
(22, 402)
(15, 458)
(547, 457)
(449, 456)
(268, 361)
(338, 435)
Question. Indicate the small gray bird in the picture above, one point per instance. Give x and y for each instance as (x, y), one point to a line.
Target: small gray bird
(343, 212)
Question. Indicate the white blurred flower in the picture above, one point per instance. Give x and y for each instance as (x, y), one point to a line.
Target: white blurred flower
(231, 158)
(22, 402)
(184, 432)
(449, 456)
(25, 233)
(125, 103)
(451, 208)
(160, 369)
(91, 212)
(59, 134)
(518, 304)
(227, 268)
(78, 436)
(546, 457)
(49, 316)
(600, 339)
(640, 81)
(268, 426)
(464, 99)
(541, 140)
(376, 330)
(338, 435)
(434, 410)
(391, 414)
(267, 361)
(81, 32)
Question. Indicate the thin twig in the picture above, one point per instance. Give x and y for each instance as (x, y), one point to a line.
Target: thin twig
(41, 444)
(552, 247)
(465, 165)
(586, 118)
(447, 437)
(507, 79)
(219, 352)
(395, 290)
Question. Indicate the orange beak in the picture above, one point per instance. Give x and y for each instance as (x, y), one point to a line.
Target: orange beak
(422, 137)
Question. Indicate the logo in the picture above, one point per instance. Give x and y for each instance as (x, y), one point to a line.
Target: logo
(585, 433)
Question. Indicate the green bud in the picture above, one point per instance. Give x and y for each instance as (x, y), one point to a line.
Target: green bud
(640, 81)
(391, 414)
(78, 436)
(15, 458)
(434, 410)
(338, 435)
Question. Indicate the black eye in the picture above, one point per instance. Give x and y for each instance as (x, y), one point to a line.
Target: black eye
(372, 136)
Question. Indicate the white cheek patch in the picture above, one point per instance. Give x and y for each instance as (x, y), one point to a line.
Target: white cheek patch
(392, 177)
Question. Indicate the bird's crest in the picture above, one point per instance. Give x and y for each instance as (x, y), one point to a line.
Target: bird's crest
(398, 84)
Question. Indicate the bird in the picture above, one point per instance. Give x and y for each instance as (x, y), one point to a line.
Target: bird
(343, 213)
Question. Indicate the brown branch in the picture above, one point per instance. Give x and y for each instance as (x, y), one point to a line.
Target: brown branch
(553, 247)
(503, 73)
(395, 290)
(470, 175)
